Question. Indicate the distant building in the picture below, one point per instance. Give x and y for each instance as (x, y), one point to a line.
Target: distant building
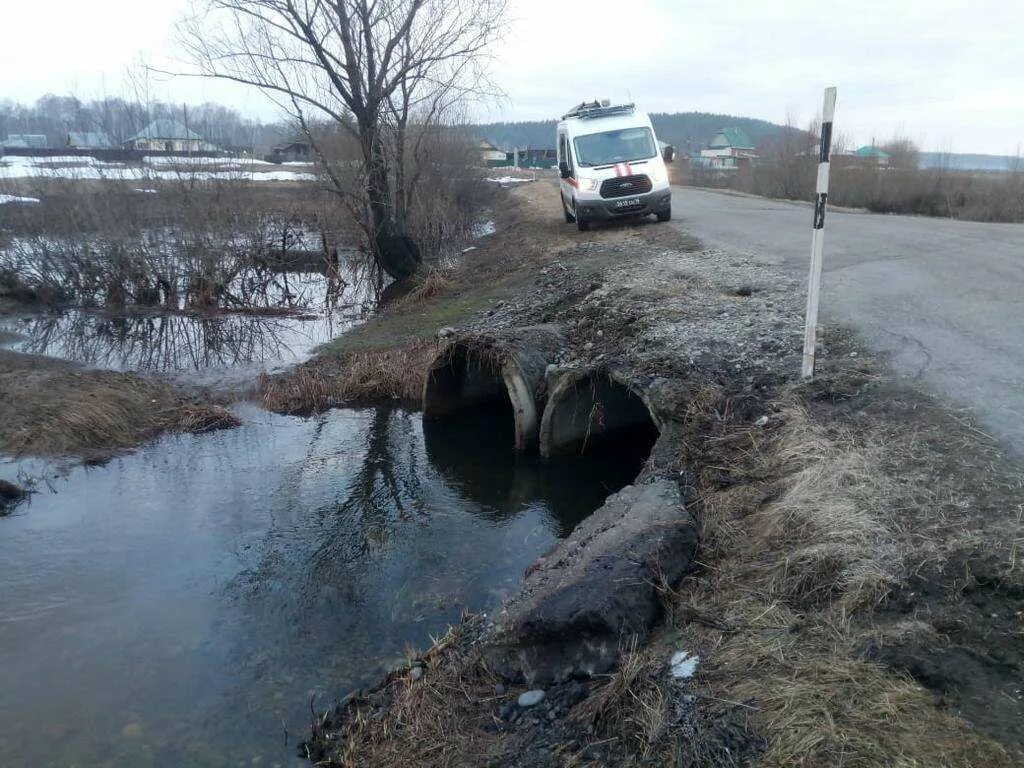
(490, 155)
(167, 136)
(872, 154)
(25, 141)
(293, 152)
(727, 149)
(532, 158)
(89, 140)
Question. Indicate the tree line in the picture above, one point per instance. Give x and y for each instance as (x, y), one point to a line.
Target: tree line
(56, 116)
(687, 131)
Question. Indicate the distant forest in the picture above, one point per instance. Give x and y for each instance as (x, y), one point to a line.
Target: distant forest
(688, 131)
(56, 116)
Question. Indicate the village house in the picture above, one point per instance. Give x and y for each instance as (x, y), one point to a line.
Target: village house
(872, 155)
(292, 152)
(89, 140)
(532, 158)
(490, 155)
(727, 149)
(25, 141)
(166, 136)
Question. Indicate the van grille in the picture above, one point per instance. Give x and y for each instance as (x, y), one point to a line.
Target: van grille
(624, 186)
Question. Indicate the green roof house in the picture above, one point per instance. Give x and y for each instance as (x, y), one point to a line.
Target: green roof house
(727, 148)
(166, 136)
(873, 154)
(733, 138)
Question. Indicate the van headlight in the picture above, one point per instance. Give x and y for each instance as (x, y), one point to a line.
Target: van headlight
(659, 174)
(588, 185)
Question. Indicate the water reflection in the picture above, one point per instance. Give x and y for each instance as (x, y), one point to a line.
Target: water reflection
(179, 606)
(474, 452)
(151, 340)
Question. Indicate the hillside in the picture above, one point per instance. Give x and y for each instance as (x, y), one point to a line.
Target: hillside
(686, 130)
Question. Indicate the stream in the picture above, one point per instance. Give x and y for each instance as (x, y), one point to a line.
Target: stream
(181, 606)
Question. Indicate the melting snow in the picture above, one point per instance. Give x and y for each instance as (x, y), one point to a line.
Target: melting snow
(683, 665)
(13, 199)
(159, 167)
(509, 180)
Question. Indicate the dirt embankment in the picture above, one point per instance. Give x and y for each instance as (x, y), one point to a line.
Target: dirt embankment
(833, 567)
(56, 409)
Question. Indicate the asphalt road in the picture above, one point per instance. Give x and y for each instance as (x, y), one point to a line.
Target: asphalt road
(945, 298)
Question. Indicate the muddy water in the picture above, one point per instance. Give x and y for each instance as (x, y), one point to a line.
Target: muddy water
(180, 606)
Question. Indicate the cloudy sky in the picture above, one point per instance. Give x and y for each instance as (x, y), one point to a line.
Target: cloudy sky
(944, 72)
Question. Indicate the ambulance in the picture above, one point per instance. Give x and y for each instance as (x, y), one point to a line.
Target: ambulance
(611, 166)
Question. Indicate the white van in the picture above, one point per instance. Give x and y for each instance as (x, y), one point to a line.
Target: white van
(610, 165)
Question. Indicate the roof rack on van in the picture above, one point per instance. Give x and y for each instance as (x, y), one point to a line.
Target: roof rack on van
(591, 109)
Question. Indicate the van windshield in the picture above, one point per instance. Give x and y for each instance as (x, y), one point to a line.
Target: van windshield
(612, 147)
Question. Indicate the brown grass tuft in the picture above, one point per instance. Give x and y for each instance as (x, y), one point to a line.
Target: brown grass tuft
(200, 418)
(432, 283)
(356, 377)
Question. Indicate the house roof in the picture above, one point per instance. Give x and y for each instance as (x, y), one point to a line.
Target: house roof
(868, 151)
(485, 144)
(94, 139)
(732, 137)
(166, 129)
(26, 141)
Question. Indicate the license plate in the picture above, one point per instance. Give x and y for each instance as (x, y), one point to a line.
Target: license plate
(629, 202)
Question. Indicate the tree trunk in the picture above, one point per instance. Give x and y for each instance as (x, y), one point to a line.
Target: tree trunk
(393, 250)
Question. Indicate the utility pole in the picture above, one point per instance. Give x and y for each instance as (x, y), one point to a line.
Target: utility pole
(818, 234)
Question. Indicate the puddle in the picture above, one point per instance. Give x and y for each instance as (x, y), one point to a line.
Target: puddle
(180, 606)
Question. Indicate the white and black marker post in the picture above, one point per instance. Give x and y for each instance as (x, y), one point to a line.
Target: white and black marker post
(828, 111)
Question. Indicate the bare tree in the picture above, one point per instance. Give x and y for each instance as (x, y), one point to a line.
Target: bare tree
(367, 66)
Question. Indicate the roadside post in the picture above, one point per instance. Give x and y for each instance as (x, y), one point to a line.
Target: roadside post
(818, 234)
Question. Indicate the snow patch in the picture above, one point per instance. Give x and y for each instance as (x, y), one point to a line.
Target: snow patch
(14, 199)
(509, 180)
(683, 665)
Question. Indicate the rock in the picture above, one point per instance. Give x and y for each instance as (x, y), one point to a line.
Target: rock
(499, 690)
(445, 333)
(530, 698)
(598, 585)
(415, 673)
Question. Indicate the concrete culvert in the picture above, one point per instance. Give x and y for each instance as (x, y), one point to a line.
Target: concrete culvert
(492, 369)
(595, 410)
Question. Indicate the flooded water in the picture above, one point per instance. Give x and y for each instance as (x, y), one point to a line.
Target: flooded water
(181, 605)
(302, 311)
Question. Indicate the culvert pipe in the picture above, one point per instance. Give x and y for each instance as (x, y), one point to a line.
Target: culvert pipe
(590, 408)
(479, 369)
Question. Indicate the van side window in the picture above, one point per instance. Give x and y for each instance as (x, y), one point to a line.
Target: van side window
(563, 153)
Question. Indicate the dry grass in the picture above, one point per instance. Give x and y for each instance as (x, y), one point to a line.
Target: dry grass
(356, 377)
(432, 283)
(801, 541)
(434, 721)
(198, 418)
(56, 409)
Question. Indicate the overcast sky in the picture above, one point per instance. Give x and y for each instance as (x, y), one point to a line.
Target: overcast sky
(944, 72)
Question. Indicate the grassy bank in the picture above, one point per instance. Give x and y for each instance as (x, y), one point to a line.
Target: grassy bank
(59, 410)
(857, 596)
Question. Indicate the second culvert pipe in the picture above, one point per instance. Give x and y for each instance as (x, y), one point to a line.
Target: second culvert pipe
(479, 368)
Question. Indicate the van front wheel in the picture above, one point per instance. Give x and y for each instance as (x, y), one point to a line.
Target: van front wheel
(665, 215)
(581, 225)
(569, 218)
